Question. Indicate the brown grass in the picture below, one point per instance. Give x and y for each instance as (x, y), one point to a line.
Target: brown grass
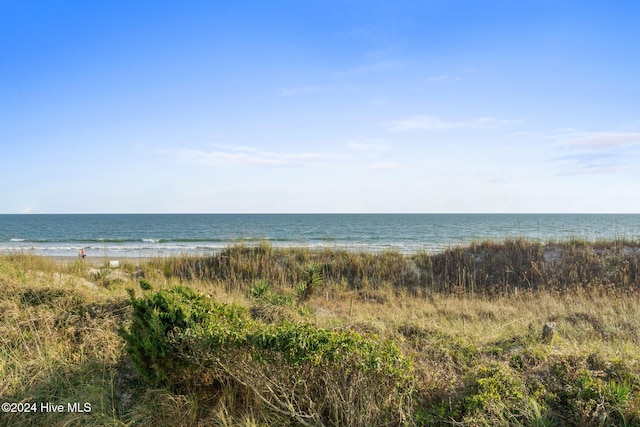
(471, 319)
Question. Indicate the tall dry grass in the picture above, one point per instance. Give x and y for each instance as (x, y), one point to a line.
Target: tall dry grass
(483, 268)
(470, 319)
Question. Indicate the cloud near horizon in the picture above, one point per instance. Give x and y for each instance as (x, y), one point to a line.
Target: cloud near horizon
(428, 122)
(596, 152)
(248, 156)
(591, 169)
(604, 140)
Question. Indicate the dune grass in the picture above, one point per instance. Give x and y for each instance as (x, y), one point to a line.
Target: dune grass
(468, 322)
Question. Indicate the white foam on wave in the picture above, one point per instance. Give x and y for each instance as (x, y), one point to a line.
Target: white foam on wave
(16, 240)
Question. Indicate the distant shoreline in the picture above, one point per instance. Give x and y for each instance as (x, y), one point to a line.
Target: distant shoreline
(523, 252)
(93, 260)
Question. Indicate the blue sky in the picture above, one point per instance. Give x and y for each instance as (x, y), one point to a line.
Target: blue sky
(319, 106)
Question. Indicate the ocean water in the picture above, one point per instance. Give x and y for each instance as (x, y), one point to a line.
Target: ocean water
(158, 235)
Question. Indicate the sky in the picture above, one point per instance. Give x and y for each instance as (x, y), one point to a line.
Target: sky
(528, 106)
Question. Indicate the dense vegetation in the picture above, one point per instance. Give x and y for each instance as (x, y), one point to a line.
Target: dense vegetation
(266, 336)
(185, 341)
(483, 268)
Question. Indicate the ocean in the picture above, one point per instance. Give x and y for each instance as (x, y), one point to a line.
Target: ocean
(161, 235)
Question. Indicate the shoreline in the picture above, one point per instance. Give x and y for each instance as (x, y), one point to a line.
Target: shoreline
(92, 261)
(100, 260)
(93, 257)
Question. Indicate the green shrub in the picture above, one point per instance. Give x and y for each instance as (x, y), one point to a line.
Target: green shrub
(259, 288)
(158, 316)
(591, 397)
(313, 279)
(145, 285)
(498, 393)
(183, 340)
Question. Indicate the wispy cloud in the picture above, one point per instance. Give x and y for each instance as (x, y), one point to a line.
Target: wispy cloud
(605, 140)
(298, 90)
(27, 210)
(371, 68)
(587, 164)
(595, 152)
(248, 156)
(428, 122)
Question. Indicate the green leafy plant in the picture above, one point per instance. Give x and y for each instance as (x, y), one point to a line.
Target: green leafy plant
(183, 340)
(259, 289)
(498, 396)
(313, 279)
(145, 285)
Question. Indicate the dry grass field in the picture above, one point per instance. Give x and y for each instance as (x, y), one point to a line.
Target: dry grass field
(258, 336)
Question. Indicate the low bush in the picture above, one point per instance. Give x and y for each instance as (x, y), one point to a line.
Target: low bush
(185, 341)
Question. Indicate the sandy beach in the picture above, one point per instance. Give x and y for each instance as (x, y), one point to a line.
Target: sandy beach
(93, 261)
